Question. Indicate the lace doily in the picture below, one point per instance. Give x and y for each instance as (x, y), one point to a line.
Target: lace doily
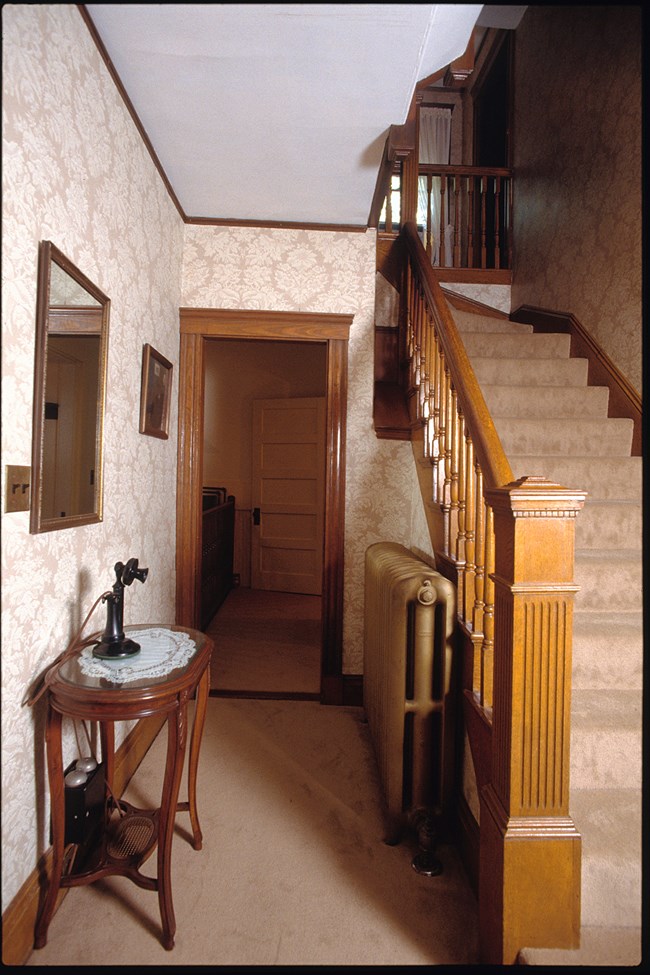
(161, 651)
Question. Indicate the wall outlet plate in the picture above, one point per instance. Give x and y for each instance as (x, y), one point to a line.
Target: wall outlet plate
(17, 487)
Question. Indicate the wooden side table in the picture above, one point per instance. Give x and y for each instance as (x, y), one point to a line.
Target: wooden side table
(126, 840)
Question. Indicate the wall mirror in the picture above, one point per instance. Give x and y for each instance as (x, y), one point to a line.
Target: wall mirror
(69, 395)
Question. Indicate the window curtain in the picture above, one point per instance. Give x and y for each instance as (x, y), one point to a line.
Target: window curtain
(434, 148)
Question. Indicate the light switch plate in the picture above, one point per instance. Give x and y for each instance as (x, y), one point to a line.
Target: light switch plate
(17, 484)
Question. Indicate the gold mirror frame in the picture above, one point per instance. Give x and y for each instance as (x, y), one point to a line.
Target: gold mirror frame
(68, 331)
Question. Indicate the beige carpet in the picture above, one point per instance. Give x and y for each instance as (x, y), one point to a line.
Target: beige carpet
(267, 642)
(293, 870)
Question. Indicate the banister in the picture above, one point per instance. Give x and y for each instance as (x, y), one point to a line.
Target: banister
(439, 170)
(489, 450)
(399, 145)
(508, 546)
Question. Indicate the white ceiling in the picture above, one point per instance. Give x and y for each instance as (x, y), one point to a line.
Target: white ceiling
(279, 112)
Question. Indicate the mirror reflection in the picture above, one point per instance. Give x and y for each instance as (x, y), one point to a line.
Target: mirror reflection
(69, 392)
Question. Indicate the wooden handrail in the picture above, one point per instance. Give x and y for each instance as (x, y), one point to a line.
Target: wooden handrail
(509, 548)
(399, 145)
(489, 450)
(437, 170)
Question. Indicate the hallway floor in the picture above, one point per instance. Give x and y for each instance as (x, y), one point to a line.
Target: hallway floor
(267, 642)
(294, 869)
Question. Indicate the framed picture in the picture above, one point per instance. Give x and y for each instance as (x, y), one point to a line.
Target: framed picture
(155, 394)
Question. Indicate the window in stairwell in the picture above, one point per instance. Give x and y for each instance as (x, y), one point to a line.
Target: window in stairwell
(435, 148)
(390, 216)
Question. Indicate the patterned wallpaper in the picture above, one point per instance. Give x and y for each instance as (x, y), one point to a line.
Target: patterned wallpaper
(331, 272)
(75, 172)
(577, 143)
(495, 295)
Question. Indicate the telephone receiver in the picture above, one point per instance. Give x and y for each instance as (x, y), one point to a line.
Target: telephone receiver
(127, 573)
(114, 644)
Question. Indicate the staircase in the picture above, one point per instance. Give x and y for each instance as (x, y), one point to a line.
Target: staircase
(551, 423)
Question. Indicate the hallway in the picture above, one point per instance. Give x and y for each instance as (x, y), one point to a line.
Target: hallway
(293, 870)
(267, 643)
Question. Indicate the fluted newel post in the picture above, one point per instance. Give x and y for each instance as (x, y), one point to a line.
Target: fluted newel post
(530, 850)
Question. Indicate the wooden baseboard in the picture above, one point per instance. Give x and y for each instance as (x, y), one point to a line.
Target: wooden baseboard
(345, 690)
(471, 275)
(467, 836)
(19, 919)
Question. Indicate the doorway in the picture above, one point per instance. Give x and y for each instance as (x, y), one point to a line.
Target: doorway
(198, 328)
(264, 441)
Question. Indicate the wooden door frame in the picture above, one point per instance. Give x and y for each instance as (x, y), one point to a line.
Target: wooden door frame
(196, 326)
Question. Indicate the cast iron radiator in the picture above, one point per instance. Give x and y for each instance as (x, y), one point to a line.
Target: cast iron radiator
(410, 612)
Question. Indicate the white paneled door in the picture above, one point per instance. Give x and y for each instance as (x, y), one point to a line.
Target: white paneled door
(288, 495)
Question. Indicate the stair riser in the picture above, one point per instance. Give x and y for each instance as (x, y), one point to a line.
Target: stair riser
(502, 346)
(609, 586)
(603, 478)
(541, 402)
(609, 822)
(598, 438)
(542, 372)
(611, 893)
(605, 657)
(475, 323)
(610, 526)
(605, 758)
(601, 674)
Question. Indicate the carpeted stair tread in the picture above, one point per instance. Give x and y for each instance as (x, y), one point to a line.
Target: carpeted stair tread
(599, 437)
(608, 578)
(523, 402)
(607, 947)
(597, 708)
(604, 478)
(495, 370)
(610, 823)
(509, 346)
(607, 650)
(606, 739)
(610, 524)
(469, 322)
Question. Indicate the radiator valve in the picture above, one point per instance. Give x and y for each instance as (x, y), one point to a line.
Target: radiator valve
(426, 862)
(426, 594)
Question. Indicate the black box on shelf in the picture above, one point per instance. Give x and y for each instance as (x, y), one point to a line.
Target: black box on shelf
(84, 805)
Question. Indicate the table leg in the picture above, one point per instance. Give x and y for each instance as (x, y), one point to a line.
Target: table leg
(195, 745)
(176, 742)
(57, 804)
(107, 739)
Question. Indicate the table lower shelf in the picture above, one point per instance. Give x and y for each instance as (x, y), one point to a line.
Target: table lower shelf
(123, 842)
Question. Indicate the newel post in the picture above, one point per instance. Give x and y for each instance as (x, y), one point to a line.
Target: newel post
(530, 850)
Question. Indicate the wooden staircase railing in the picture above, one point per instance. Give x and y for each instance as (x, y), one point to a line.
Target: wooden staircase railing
(464, 215)
(508, 545)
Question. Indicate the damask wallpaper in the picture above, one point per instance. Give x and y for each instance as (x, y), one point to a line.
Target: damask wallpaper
(331, 272)
(75, 171)
(577, 159)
